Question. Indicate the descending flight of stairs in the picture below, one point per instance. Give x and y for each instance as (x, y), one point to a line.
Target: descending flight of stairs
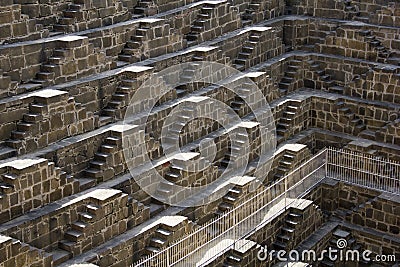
(242, 61)
(384, 54)
(254, 8)
(99, 170)
(229, 200)
(287, 120)
(285, 238)
(351, 117)
(327, 81)
(116, 107)
(289, 77)
(284, 165)
(145, 8)
(200, 24)
(132, 51)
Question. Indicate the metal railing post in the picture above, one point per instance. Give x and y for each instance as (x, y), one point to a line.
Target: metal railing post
(326, 161)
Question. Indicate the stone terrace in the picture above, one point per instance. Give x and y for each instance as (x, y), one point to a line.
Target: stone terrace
(330, 71)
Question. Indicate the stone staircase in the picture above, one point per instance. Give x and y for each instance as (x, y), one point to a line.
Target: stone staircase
(29, 184)
(286, 121)
(62, 65)
(286, 83)
(187, 78)
(285, 165)
(344, 214)
(253, 13)
(327, 82)
(234, 259)
(166, 232)
(234, 151)
(285, 238)
(383, 53)
(239, 106)
(101, 168)
(351, 242)
(356, 124)
(201, 24)
(229, 200)
(97, 219)
(160, 239)
(133, 50)
(386, 133)
(86, 14)
(43, 124)
(116, 107)
(29, 124)
(242, 62)
(49, 70)
(81, 228)
(7, 152)
(145, 8)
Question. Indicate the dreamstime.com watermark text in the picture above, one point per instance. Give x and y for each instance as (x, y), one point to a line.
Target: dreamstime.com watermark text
(341, 253)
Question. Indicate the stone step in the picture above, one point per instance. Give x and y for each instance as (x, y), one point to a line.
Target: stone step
(234, 259)
(229, 199)
(336, 89)
(197, 29)
(62, 28)
(93, 173)
(254, 38)
(80, 226)
(49, 68)
(99, 165)
(104, 120)
(133, 45)
(157, 242)
(86, 183)
(9, 178)
(74, 14)
(59, 256)
(287, 230)
(93, 209)
(128, 52)
(6, 188)
(108, 149)
(240, 61)
(341, 234)
(24, 126)
(170, 176)
(74, 235)
(279, 245)
(151, 250)
(283, 238)
(67, 245)
(126, 58)
(244, 55)
(225, 206)
(56, 60)
(141, 32)
(18, 135)
(86, 217)
(239, 67)
(163, 234)
(192, 36)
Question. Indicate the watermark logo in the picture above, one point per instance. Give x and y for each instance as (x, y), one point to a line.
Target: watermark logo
(341, 253)
(341, 243)
(209, 86)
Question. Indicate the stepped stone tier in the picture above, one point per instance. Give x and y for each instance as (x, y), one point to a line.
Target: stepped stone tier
(78, 180)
